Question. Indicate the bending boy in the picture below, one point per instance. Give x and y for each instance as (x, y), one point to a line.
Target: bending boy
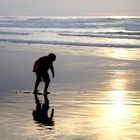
(41, 67)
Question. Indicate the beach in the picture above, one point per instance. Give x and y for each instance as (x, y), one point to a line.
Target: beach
(95, 92)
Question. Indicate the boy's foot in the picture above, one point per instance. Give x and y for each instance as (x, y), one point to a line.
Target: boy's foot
(46, 92)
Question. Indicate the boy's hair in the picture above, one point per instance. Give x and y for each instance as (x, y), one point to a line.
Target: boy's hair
(52, 56)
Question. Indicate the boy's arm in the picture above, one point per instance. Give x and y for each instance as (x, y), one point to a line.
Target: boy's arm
(35, 67)
(52, 70)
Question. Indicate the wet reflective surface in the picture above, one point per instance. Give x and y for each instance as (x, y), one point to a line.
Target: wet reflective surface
(82, 115)
(100, 100)
(96, 92)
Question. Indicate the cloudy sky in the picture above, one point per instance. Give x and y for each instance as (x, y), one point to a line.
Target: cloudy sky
(69, 7)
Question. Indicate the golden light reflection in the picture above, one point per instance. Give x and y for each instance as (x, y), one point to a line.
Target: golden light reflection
(118, 85)
(120, 17)
(119, 81)
(118, 107)
(119, 53)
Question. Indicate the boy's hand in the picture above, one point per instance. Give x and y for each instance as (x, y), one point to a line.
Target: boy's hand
(53, 75)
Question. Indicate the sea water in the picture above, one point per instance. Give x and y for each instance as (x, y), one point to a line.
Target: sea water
(93, 32)
(95, 94)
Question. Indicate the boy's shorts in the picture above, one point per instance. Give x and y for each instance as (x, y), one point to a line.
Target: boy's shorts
(43, 76)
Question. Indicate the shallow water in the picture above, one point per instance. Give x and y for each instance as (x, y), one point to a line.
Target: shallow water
(108, 115)
(94, 97)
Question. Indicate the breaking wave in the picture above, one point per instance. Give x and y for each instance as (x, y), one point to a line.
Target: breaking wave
(68, 43)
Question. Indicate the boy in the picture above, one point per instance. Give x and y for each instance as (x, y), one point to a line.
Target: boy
(41, 67)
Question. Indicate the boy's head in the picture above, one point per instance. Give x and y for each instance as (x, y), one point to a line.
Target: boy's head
(52, 56)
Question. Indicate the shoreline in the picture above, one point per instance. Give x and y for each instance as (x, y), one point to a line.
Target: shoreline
(73, 71)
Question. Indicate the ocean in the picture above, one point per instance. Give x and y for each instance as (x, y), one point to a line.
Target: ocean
(119, 32)
(95, 94)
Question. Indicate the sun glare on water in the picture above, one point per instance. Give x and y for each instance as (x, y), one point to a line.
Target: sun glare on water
(118, 95)
(118, 109)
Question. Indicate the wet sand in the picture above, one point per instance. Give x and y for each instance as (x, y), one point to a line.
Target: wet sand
(78, 115)
(95, 95)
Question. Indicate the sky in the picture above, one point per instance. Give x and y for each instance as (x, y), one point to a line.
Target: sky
(69, 7)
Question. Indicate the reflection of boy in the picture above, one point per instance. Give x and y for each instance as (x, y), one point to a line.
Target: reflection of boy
(41, 113)
(41, 67)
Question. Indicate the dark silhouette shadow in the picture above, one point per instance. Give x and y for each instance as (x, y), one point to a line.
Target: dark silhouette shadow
(40, 115)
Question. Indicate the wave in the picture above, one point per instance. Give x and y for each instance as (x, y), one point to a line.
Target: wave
(40, 22)
(13, 33)
(119, 35)
(122, 33)
(68, 43)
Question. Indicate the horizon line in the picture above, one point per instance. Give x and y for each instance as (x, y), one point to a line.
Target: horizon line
(84, 16)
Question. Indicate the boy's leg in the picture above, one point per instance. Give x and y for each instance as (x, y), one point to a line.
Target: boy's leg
(46, 79)
(46, 88)
(36, 86)
(38, 80)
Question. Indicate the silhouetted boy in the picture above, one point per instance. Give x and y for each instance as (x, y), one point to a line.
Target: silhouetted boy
(41, 67)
